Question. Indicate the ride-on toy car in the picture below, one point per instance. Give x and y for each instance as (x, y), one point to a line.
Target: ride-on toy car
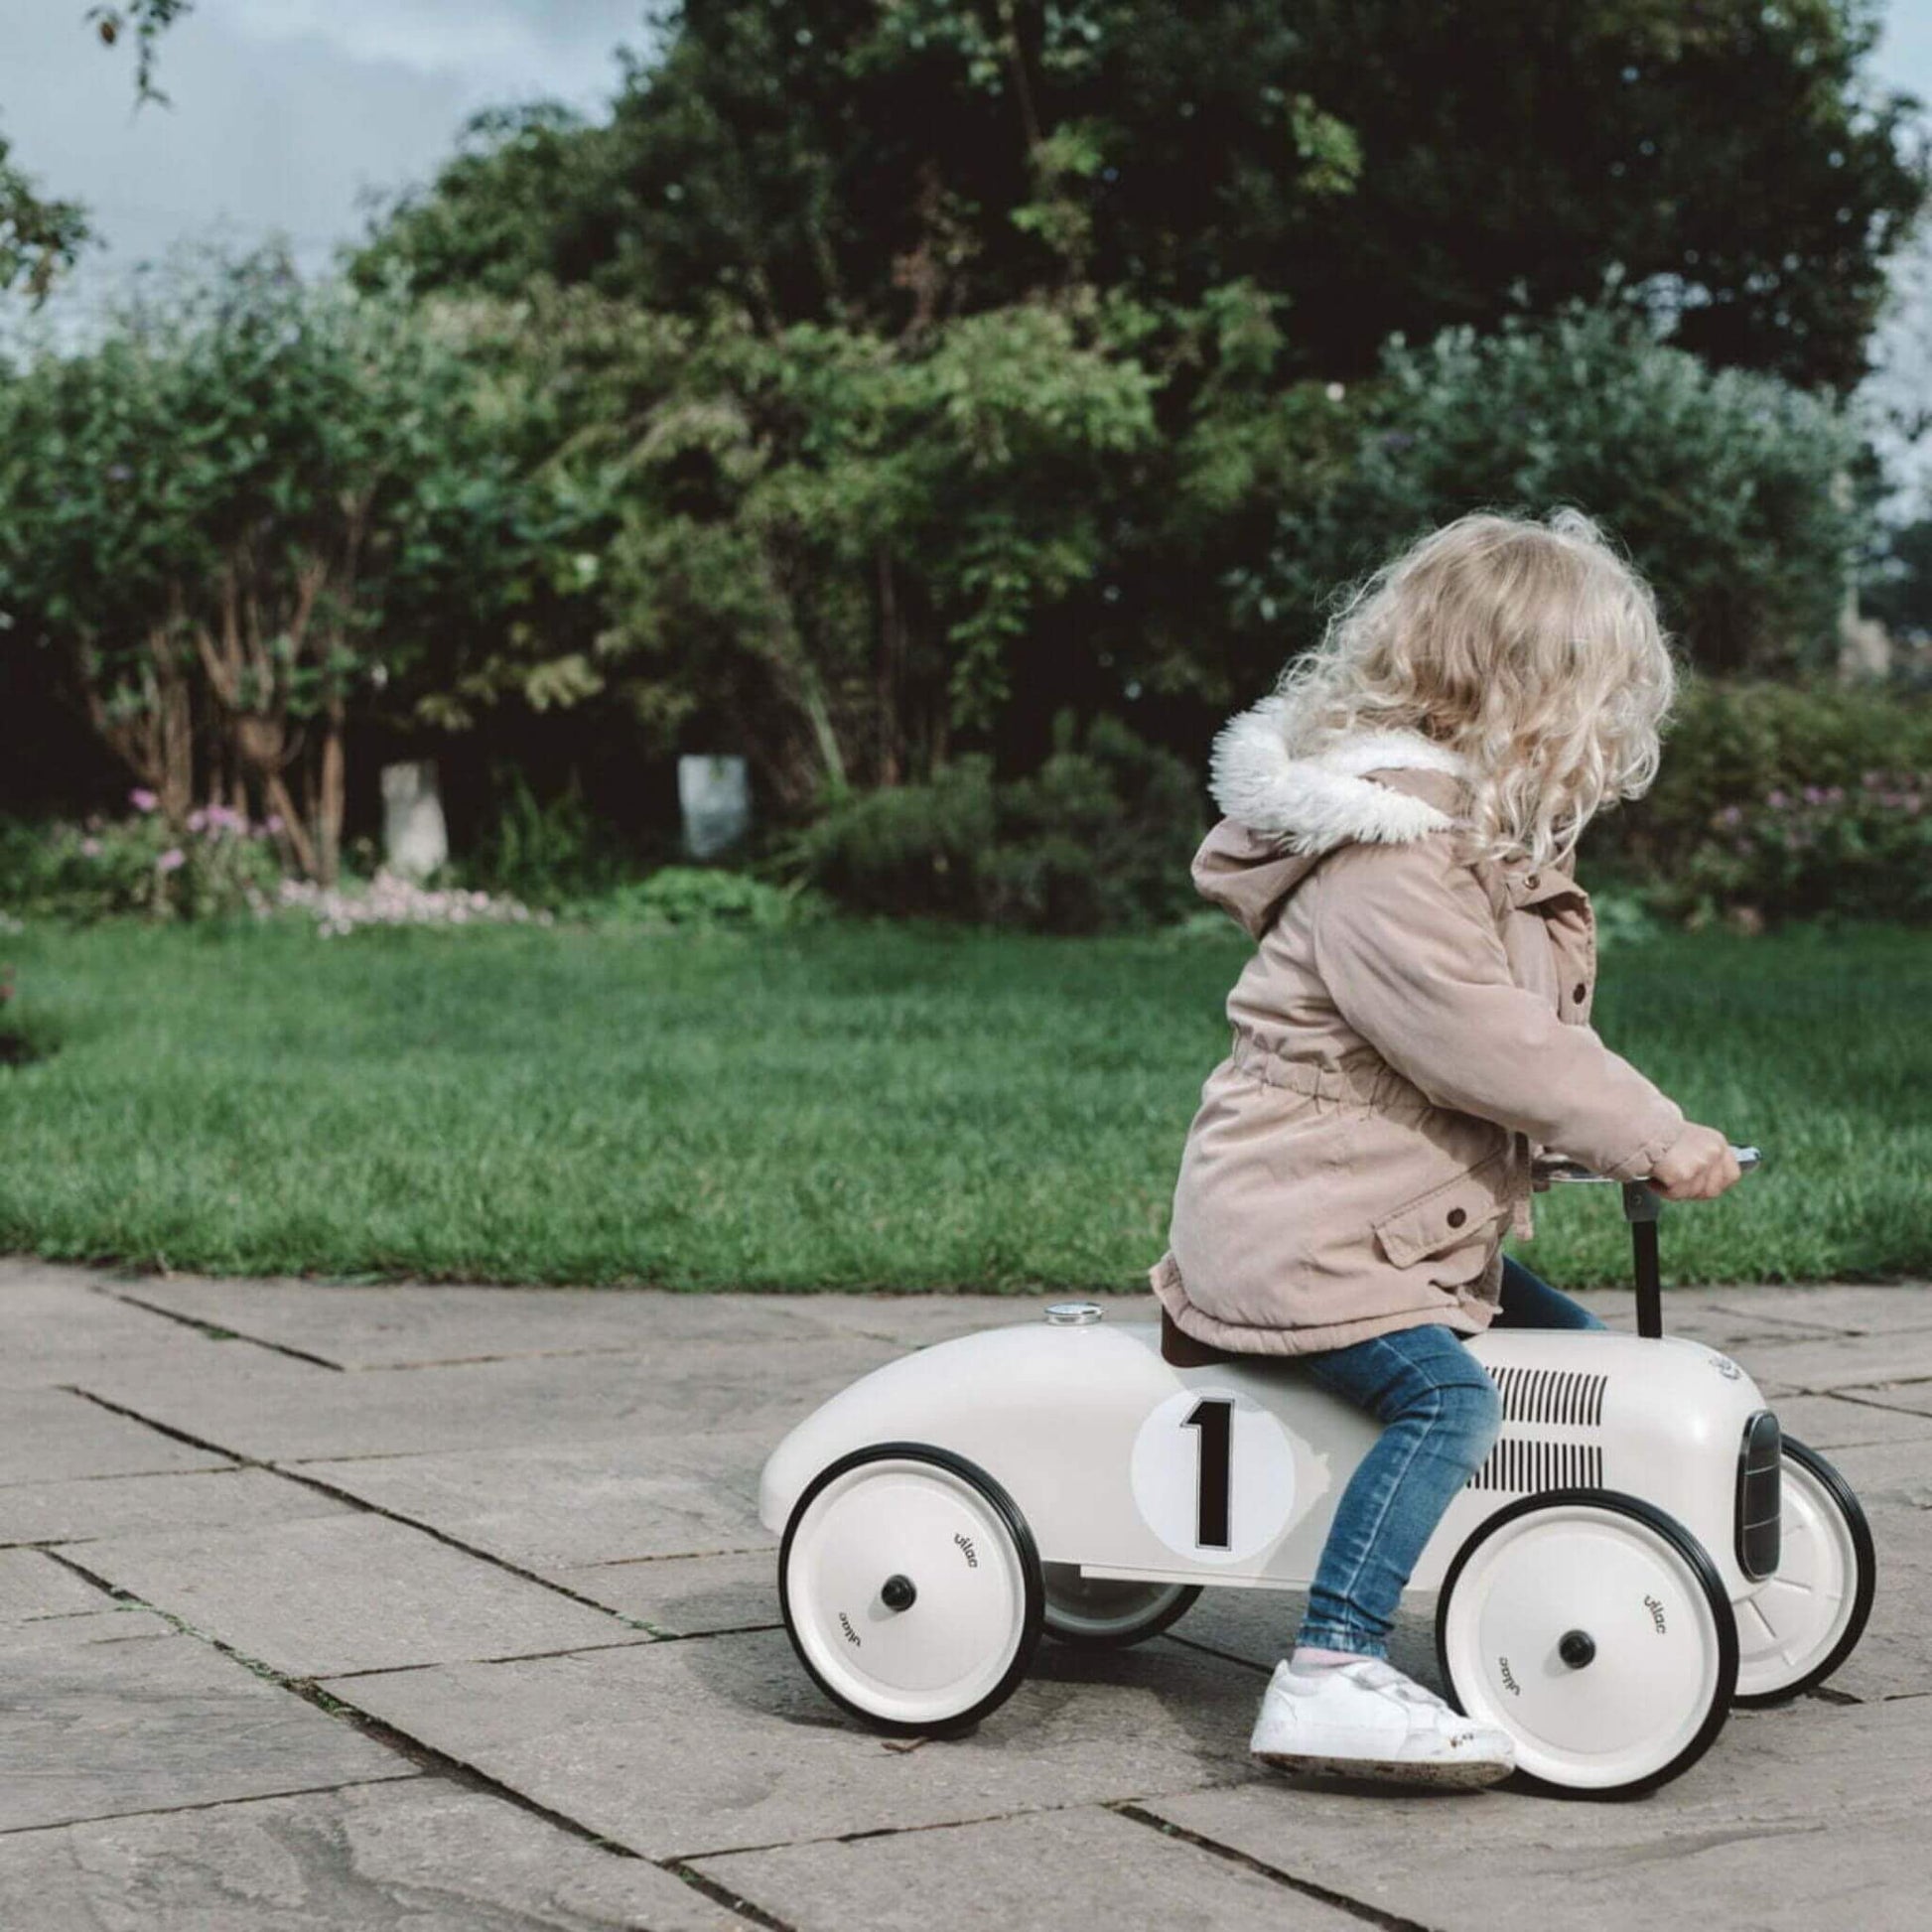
(1641, 1550)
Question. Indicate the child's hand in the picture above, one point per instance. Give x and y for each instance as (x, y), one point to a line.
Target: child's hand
(1699, 1166)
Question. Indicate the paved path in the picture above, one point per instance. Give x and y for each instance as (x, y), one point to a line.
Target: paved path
(447, 1609)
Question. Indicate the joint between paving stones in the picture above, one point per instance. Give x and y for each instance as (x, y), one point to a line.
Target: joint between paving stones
(1354, 1907)
(290, 1473)
(1226, 1656)
(206, 1804)
(214, 1331)
(725, 1896)
(411, 1749)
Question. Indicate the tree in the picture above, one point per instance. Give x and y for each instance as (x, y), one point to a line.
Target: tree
(209, 515)
(1384, 165)
(38, 236)
(832, 550)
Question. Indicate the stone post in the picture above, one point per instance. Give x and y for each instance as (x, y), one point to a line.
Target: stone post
(415, 838)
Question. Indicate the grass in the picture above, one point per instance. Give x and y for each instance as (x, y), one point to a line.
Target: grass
(839, 1107)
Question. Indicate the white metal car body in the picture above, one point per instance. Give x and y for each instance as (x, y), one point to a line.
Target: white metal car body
(1229, 1475)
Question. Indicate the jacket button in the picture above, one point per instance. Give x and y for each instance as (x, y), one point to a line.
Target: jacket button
(1456, 1216)
(1529, 882)
(1579, 991)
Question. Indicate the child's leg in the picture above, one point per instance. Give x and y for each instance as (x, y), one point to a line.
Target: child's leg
(1528, 1303)
(1440, 1416)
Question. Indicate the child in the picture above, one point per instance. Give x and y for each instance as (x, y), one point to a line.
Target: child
(1399, 825)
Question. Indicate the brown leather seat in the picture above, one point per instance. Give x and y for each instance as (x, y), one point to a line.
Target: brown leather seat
(1181, 1351)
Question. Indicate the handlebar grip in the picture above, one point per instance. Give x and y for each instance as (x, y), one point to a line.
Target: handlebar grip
(1559, 1167)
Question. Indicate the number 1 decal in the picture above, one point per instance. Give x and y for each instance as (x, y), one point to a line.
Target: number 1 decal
(1214, 1418)
(1182, 1471)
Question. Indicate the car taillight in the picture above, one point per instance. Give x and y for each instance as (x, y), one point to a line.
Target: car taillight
(1758, 1503)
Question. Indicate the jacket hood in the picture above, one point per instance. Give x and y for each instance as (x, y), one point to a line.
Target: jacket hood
(1283, 811)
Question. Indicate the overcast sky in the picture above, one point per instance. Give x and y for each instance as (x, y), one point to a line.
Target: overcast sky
(284, 112)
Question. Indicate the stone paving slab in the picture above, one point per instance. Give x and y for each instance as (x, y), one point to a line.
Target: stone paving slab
(76, 1511)
(1841, 1309)
(1080, 1865)
(282, 1410)
(1257, 1627)
(56, 1327)
(419, 1854)
(1888, 1473)
(32, 1586)
(709, 1744)
(1821, 1363)
(50, 1434)
(1830, 1423)
(378, 1326)
(621, 1467)
(104, 1716)
(1784, 1810)
(685, 1597)
(1895, 1656)
(1907, 1398)
(550, 1506)
(352, 1592)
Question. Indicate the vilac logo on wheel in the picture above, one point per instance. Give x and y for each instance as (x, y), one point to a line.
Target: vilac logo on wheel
(1214, 1474)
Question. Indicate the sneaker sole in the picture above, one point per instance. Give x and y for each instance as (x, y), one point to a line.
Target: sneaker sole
(1452, 1777)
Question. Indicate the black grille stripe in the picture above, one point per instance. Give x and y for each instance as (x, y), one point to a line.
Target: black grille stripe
(1555, 1395)
(1520, 1467)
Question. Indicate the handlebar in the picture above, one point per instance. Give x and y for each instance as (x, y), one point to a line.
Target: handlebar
(1642, 1204)
(1557, 1168)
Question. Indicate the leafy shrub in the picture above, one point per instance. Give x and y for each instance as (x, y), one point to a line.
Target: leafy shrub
(543, 852)
(1100, 836)
(218, 866)
(1855, 852)
(907, 849)
(701, 898)
(1784, 801)
(1720, 484)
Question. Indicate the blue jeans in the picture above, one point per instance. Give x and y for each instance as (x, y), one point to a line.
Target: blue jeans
(1440, 1414)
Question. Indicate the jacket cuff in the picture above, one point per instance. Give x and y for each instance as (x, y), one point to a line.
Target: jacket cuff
(1638, 1165)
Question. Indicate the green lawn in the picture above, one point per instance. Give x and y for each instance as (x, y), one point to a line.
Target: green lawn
(845, 1106)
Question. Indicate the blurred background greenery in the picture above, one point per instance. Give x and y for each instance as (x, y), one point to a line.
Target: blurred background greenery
(952, 408)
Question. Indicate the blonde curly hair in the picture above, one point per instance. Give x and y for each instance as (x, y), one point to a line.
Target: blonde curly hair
(1532, 649)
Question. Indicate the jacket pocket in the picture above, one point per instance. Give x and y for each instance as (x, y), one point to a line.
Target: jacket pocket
(1446, 1216)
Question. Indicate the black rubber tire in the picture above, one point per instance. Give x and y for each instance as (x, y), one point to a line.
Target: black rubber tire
(1023, 1538)
(1867, 1554)
(1163, 1618)
(1696, 1559)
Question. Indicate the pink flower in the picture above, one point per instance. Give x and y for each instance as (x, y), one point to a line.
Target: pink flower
(91, 848)
(198, 820)
(172, 859)
(1777, 802)
(142, 800)
(274, 823)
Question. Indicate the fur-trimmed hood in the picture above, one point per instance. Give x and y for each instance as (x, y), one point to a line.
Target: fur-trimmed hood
(1283, 812)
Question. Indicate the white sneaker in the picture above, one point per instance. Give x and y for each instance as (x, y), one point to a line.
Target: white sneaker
(1367, 1719)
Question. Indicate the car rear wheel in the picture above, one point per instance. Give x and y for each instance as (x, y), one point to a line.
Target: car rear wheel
(1807, 1617)
(911, 1589)
(1594, 1629)
(1110, 1612)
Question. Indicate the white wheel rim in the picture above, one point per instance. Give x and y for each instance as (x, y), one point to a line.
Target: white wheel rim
(1102, 1607)
(937, 1658)
(1647, 1691)
(1795, 1617)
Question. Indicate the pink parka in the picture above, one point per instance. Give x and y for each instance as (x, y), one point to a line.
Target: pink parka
(1412, 1025)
